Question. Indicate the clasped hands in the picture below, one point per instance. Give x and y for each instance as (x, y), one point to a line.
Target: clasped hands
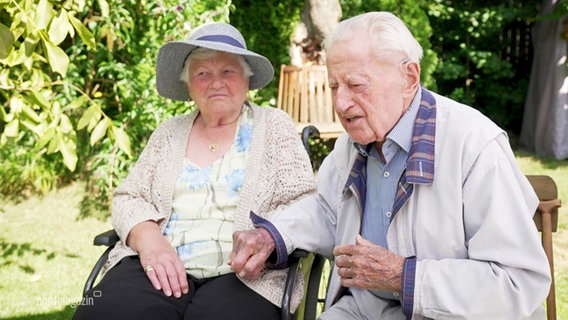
(362, 265)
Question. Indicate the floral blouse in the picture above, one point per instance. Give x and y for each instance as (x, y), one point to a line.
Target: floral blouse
(204, 203)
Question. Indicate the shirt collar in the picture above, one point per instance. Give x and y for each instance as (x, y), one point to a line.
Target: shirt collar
(420, 163)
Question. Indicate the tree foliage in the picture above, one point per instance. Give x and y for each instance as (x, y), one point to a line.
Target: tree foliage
(485, 61)
(268, 30)
(77, 88)
(77, 84)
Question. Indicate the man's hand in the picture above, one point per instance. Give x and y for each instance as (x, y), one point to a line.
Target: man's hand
(369, 266)
(251, 249)
(160, 261)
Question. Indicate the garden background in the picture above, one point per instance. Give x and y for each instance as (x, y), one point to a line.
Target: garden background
(78, 102)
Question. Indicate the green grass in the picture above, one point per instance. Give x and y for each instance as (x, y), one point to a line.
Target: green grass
(47, 252)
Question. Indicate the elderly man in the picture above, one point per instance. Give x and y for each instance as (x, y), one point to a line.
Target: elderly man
(421, 203)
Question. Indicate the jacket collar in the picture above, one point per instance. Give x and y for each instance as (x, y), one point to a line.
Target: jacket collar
(420, 163)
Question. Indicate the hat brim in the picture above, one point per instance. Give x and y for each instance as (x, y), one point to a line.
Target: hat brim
(172, 55)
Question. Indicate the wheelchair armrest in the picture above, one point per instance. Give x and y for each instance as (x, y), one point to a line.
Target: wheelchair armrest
(108, 238)
(294, 267)
(297, 255)
(308, 132)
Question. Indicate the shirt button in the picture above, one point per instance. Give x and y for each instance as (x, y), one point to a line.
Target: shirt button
(388, 214)
(396, 294)
(386, 174)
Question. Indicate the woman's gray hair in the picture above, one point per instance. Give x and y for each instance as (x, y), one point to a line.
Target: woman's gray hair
(205, 53)
(386, 33)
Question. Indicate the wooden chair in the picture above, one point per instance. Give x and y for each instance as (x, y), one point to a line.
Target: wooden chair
(546, 220)
(303, 92)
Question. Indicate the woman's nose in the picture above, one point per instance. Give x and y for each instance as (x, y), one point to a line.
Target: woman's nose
(217, 81)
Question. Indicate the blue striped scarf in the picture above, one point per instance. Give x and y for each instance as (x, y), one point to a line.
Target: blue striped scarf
(420, 164)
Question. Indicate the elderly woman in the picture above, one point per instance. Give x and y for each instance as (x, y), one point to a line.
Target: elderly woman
(194, 185)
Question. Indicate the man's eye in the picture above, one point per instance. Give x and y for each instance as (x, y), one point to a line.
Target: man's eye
(357, 86)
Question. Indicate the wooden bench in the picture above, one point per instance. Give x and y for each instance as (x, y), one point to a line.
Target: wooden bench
(303, 92)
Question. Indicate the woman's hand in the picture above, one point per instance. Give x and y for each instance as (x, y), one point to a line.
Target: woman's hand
(369, 266)
(160, 261)
(251, 249)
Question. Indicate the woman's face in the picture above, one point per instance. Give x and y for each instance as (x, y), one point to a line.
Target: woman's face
(217, 83)
(368, 93)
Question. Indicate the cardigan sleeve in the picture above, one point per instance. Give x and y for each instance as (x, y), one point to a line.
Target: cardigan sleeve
(294, 173)
(279, 171)
(146, 192)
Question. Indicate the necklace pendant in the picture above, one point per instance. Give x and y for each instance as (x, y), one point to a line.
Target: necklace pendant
(213, 147)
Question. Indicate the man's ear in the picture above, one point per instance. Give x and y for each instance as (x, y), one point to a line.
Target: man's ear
(411, 74)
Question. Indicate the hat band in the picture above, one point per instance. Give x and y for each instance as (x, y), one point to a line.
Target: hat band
(223, 39)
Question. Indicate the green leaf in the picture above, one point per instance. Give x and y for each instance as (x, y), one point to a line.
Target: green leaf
(53, 143)
(58, 60)
(11, 129)
(31, 114)
(91, 116)
(6, 41)
(68, 149)
(43, 14)
(3, 114)
(65, 124)
(99, 131)
(105, 10)
(83, 32)
(59, 28)
(123, 141)
(41, 100)
(80, 101)
(16, 104)
(46, 137)
(30, 125)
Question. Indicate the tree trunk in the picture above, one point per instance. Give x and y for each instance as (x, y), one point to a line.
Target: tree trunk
(318, 19)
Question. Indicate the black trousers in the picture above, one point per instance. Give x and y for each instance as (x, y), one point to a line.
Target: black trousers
(126, 293)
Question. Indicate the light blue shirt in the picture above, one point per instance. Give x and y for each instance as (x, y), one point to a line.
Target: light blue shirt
(383, 177)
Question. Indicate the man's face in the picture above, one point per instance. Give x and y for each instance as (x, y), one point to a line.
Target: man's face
(368, 92)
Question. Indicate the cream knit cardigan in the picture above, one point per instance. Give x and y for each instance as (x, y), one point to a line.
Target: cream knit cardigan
(277, 174)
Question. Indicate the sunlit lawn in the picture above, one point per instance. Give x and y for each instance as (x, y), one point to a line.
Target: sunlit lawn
(46, 255)
(47, 250)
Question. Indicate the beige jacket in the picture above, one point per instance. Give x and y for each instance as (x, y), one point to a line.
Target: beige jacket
(278, 173)
(471, 228)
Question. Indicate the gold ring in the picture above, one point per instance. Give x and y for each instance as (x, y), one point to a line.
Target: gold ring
(148, 268)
